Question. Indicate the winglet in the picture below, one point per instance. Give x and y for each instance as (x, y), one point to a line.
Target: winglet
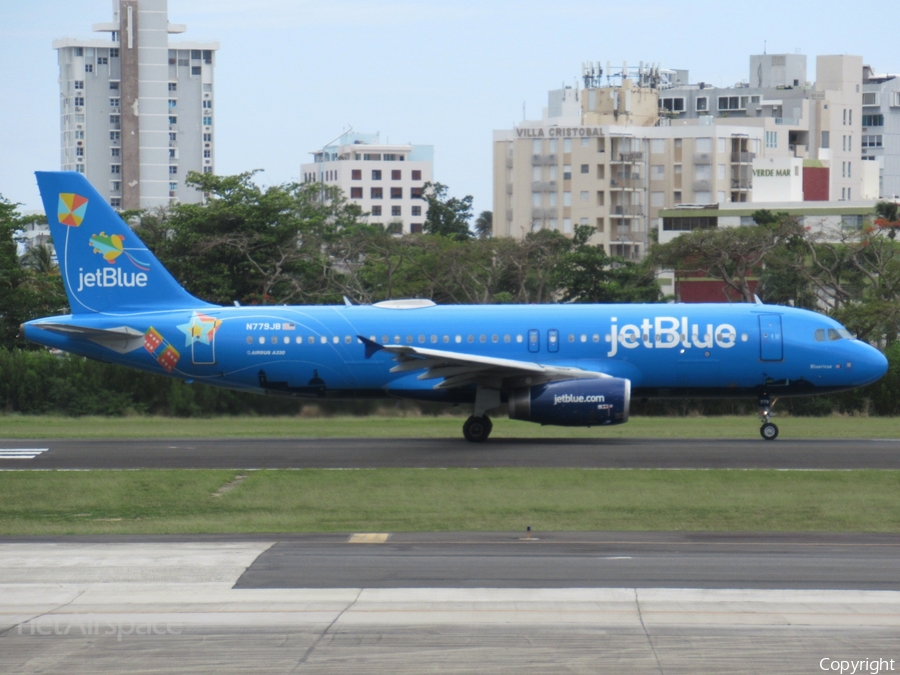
(371, 346)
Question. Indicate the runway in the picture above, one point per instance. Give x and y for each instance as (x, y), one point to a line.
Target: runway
(306, 453)
(232, 604)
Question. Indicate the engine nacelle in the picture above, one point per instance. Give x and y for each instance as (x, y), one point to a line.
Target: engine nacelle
(573, 403)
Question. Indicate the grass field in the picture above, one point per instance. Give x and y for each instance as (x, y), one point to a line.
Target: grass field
(393, 500)
(22, 426)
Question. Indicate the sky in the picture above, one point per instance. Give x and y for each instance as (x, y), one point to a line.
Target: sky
(291, 75)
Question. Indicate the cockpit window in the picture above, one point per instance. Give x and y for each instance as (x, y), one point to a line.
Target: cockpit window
(820, 335)
(844, 333)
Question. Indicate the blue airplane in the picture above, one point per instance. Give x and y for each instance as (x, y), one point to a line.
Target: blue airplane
(569, 365)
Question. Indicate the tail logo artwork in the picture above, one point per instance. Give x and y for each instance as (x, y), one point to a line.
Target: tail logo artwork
(111, 246)
(71, 209)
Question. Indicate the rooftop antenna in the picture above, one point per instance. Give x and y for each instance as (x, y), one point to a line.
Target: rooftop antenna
(523, 111)
(764, 47)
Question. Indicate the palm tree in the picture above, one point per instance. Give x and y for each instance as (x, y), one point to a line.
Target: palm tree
(484, 225)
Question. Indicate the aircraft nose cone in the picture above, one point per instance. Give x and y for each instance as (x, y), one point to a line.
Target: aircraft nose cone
(871, 365)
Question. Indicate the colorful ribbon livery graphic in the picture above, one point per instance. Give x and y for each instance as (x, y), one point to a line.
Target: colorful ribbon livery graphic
(168, 357)
(71, 209)
(111, 247)
(200, 336)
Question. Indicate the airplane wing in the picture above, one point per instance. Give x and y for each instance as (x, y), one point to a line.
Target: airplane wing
(460, 370)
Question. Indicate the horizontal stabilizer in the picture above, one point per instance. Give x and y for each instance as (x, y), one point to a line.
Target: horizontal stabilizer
(122, 339)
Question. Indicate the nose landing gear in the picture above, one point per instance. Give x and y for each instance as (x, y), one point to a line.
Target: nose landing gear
(768, 430)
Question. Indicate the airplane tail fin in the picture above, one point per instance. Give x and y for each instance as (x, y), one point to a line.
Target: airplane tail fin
(104, 265)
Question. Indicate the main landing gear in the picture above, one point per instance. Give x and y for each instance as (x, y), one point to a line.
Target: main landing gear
(477, 429)
(768, 430)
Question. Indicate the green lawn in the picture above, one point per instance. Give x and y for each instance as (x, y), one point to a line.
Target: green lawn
(22, 426)
(393, 500)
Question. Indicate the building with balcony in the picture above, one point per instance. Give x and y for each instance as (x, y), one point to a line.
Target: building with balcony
(880, 140)
(385, 180)
(136, 110)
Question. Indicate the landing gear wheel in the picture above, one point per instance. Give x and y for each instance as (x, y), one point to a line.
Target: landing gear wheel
(768, 431)
(477, 429)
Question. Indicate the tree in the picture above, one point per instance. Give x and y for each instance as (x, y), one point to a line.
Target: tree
(731, 254)
(588, 274)
(447, 216)
(253, 244)
(484, 225)
(888, 217)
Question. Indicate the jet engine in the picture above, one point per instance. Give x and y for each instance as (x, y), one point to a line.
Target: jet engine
(573, 403)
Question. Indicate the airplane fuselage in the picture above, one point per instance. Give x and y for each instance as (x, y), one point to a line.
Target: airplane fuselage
(672, 350)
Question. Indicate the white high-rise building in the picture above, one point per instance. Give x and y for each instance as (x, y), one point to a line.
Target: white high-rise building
(137, 111)
(386, 180)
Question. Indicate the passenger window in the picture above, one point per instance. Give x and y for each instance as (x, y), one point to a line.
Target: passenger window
(820, 335)
(312, 340)
(336, 339)
(471, 338)
(506, 338)
(833, 334)
(348, 339)
(249, 339)
(421, 339)
(385, 339)
(482, 338)
(518, 338)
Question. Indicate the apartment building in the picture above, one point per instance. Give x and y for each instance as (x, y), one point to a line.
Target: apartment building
(820, 123)
(386, 180)
(880, 141)
(136, 110)
(604, 157)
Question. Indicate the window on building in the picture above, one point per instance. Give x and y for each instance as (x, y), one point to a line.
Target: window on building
(115, 185)
(376, 210)
(195, 70)
(79, 51)
(207, 104)
(601, 198)
(415, 228)
(207, 138)
(173, 86)
(397, 210)
(115, 168)
(702, 104)
(417, 210)
(585, 195)
(102, 60)
(356, 193)
(207, 86)
(673, 104)
(376, 174)
(114, 85)
(567, 199)
(89, 67)
(114, 136)
(733, 102)
(657, 199)
(396, 193)
(114, 103)
(377, 193)
(416, 174)
(114, 120)
(567, 145)
(113, 152)
(207, 121)
(173, 119)
(173, 186)
(567, 172)
(114, 52)
(173, 169)
(79, 152)
(79, 134)
(207, 153)
(676, 196)
(553, 145)
(79, 100)
(395, 174)
(585, 168)
(872, 120)
(872, 141)
(115, 202)
(657, 171)
(567, 225)
(415, 193)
